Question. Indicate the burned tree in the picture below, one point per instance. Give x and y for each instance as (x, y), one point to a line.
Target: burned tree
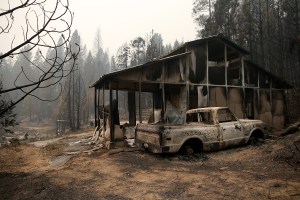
(42, 22)
(123, 55)
(137, 51)
(73, 98)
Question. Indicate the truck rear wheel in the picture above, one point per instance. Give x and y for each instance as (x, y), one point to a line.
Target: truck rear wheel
(191, 146)
(188, 150)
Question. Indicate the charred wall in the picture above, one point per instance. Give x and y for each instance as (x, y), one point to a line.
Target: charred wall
(174, 70)
(279, 109)
(197, 67)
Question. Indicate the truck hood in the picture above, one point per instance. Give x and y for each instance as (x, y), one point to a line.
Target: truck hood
(254, 123)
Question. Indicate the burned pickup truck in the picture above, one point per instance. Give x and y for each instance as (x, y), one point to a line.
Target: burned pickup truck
(203, 129)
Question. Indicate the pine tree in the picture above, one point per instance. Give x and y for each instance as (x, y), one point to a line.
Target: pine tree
(154, 46)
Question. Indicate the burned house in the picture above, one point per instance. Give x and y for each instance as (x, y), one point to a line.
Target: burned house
(212, 71)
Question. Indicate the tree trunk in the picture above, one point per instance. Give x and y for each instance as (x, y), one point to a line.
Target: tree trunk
(69, 105)
(261, 35)
(79, 101)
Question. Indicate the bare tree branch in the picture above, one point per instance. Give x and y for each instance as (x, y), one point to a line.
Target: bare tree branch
(47, 24)
(11, 10)
(42, 34)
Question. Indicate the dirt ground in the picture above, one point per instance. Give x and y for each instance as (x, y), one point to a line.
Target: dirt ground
(267, 171)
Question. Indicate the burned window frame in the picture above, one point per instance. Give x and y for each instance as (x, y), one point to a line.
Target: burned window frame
(228, 112)
(205, 117)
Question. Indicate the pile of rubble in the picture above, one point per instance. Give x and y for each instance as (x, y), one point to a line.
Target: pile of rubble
(290, 150)
(290, 129)
(13, 139)
(101, 138)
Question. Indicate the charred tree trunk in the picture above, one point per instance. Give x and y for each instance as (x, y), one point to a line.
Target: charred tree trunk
(70, 105)
(261, 35)
(79, 101)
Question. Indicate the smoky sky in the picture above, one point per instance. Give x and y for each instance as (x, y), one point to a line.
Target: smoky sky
(120, 21)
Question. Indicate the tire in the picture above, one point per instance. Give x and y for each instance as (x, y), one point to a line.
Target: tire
(255, 141)
(191, 146)
(189, 150)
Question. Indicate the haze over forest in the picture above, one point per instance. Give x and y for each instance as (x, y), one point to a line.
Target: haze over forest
(47, 78)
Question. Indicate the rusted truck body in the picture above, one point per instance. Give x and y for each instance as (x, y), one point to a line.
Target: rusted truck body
(203, 129)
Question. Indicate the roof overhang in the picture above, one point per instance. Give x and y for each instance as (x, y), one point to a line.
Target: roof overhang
(109, 76)
(284, 84)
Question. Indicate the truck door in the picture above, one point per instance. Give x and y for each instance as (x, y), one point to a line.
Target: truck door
(231, 129)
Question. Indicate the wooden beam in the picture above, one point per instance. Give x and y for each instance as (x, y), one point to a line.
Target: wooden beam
(163, 91)
(187, 97)
(225, 63)
(117, 92)
(258, 90)
(243, 71)
(243, 83)
(226, 73)
(111, 123)
(95, 107)
(153, 104)
(103, 112)
(98, 107)
(187, 81)
(131, 108)
(270, 92)
(140, 90)
(207, 74)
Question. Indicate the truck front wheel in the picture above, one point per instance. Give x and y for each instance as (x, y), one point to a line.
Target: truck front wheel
(256, 138)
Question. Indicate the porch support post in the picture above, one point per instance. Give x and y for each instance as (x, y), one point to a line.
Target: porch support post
(140, 90)
(207, 74)
(163, 92)
(95, 107)
(98, 106)
(131, 108)
(103, 111)
(243, 84)
(111, 123)
(226, 73)
(117, 92)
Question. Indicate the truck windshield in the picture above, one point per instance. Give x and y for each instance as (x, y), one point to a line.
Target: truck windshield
(224, 115)
(204, 117)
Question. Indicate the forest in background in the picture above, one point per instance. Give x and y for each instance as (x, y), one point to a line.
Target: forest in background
(269, 29)
(72, 99)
